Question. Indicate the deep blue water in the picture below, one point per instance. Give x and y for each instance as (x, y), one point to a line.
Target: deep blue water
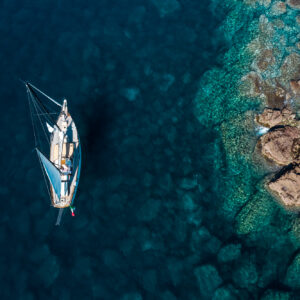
(145, 210)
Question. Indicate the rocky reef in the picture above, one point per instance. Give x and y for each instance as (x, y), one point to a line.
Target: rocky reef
(275, 80)
(281, 145)
(253, 100)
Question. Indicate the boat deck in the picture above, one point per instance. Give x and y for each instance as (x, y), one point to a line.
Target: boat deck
(60, 152)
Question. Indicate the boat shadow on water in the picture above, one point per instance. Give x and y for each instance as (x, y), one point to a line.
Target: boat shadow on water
(96, 121)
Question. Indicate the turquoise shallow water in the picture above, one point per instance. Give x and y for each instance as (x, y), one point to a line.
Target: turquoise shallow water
(170, 204)
(270, 266)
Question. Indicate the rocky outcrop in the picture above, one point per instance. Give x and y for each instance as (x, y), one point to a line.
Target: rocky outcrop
(273, 117)
(281, 145)
(277, 83)
(287, 187)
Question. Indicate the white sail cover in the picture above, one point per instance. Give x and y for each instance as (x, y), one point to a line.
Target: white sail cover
(52, 173)
(50, 129)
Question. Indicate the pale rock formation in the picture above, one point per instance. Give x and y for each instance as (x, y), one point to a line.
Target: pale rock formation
(280, 145)
(287, 187)
(273, 117)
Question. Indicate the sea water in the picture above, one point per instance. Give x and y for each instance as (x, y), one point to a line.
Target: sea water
(165, 170)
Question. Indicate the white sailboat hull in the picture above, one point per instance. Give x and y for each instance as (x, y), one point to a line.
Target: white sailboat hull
(62, 168)
(65, 154)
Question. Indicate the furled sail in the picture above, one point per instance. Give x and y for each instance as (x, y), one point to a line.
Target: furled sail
(50, 129)
(52, 173)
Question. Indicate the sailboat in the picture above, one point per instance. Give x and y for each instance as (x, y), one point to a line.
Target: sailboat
(61, 166)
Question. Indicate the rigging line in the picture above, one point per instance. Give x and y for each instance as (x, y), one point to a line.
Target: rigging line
(31, 85)
(47, 138)
(40, 102)
(39, 142)
(45, 133)
(48, 187)
(31, 117)
(37, 108)
(47, 114)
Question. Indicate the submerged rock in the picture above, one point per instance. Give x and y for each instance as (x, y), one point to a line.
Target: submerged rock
(175, 269)
(189, 202)
(278, 8)
(295, 4)
(208, 280)
(290, 67)
(39, 253)
(166, 7)
(295, 87)
(265, 61)
(224, 293)
(250, 85)
(256, 214)
(273, 117)
(245, 274)
(276, 295)
(280, 144)
(131, 93)
(188, 183)
(48, 271)
(165, 82)
(132, 296)
(292, 278)
(287, 187)
(274, 94)
(149, 210)
(202, 237)
(150, 281)
(167, 295)
(229, 253)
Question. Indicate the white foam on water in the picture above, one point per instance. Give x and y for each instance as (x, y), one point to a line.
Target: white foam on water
(261, 130)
